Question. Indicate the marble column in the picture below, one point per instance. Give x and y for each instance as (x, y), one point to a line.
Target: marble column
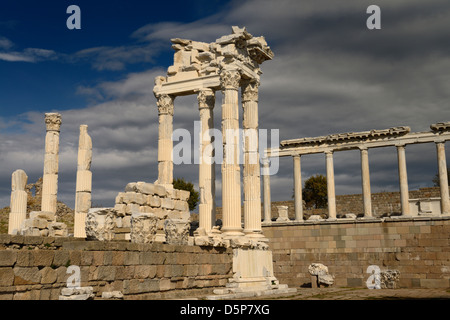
(18, 205)
(443, 178)
(266, 190)
(251, 168)
(231, 184)
(206, 181)
(331, 195)
(50, 178)
(298, 197)
(165, 142)
(365, 180)
(84, 183)
(403, 180)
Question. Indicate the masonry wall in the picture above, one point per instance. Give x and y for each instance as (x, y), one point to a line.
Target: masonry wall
(419, 248)
(35, 268)
(383, 203)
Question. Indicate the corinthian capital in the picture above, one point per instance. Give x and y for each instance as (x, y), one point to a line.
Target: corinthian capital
(53, 121)
(250, 91)
(165, 104)
(206, 98)
(229, 79)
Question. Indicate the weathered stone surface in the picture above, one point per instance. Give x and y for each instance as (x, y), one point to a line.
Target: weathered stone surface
(143, 227)
(100, 224)
(321, 271)
(389, 279)
(177, 231)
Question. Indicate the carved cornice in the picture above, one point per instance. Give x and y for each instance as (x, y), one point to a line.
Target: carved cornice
(165, 104)
(53, 121)
(440, 126)
(229, 79)
(250, 91)
(345, 137)
(206, 98)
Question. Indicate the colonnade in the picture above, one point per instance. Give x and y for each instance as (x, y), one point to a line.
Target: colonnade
(230, 82)
(438, 137)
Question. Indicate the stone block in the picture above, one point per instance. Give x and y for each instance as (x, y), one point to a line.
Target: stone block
(181, 205)
(154, 201)
(167, 203)
(25, 275)
(6, 277)
(49, 275)
(7, 258)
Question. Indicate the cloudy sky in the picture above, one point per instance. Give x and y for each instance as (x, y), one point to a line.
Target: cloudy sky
(330, 74)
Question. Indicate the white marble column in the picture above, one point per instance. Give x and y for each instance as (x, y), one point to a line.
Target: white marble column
(298, 197)
(165, 142)
(365, 180)
(231, 184)
(206, 181)
(403, 180)
(18, 205)
(84, 183)
(251, 169)
(266, 191)
(50, 178)
(443, 178)
(331, 195)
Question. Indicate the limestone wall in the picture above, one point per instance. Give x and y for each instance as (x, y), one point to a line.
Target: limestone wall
(419, 248)
(35, 268)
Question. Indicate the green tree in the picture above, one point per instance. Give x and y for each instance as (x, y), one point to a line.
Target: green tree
(315, 192)
(436, 181)
(181, 184)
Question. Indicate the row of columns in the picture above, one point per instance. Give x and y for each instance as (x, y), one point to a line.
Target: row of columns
(365, 178)
(230, 81)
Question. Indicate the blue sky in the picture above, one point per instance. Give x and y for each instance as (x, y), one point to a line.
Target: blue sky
(330, 74)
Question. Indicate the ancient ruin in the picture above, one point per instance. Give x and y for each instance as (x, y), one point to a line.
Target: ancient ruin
(143, 246)
(399, 137)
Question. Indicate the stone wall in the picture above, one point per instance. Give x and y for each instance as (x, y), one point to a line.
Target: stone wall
(419, 248)
(35, 268)
(383, 203)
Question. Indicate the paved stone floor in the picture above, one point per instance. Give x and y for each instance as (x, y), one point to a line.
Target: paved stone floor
(361, 294)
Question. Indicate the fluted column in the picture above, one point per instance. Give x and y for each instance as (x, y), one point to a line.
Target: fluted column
(266, 190)
(330, 185)
(18, 205)
(403, 180)
(298, 197)
(50, 178)
(165, 143)
(231, 184)
(251, 169)
(206, 181)
(84, 183)
(365, 180)
(443, 178)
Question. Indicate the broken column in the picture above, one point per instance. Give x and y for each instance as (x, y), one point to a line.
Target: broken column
(251, 168)
(266, 188)
(50, 179)
(231, 172)
(365, 180)
(84, 183)
(206, 180)
(298, 198)
(165, 143)
(18, 206)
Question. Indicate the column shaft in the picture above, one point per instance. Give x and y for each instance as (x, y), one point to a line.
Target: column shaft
(365, 179)
(165, 143)
(330, 186)
(252, 170)
(231, 185)
(266, 189)
(443, 178)
(403, 180)
(18, 205)
(298, 198)
(84, 183)
(50, 178)
(206, 180)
